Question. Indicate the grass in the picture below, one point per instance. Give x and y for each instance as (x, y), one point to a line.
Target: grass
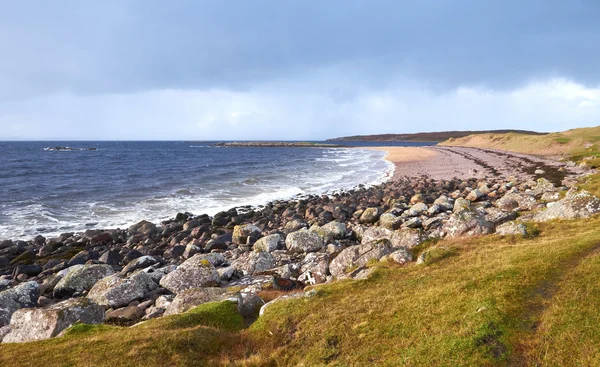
(487, 301)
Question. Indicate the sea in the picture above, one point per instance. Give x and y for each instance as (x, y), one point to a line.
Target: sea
(91, 185)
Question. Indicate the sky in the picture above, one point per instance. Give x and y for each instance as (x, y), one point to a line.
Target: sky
(294, 70)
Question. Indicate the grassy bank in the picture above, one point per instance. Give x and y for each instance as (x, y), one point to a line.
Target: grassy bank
(575, 144)
(482, 301)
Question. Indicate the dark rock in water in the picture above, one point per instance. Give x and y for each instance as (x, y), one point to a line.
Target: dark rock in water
(39, 240)
(111, 257)
(5, 244)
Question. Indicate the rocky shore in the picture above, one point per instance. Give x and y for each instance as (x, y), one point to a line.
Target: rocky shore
(256, 256)
(274, 144)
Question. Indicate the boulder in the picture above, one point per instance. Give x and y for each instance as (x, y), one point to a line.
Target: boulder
(23, 295)
(30, 324)
(389, 221)
(511, 229)
(111, 257)
(576, 204)
(416, 210)
(125, 315)
(294, 225)
(195, 272)
(241, 233)
(407, 238)
(253, 262)
(517, 201)
(370, 215)
(330, 231)
(475, 195)
(193, 297)
(314, 268)
(268, 243)
(358, 256)
(414, 222)
(400, 256)
(115, 291)
(303, 241)
(467, 222)
(81, 278)
(499, 216)
(139, 263)
(375, 233)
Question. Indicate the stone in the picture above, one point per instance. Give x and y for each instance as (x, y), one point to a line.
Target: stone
(407, 238)
(249, 305)
(467, 222)
(389, 221)
(475, 195)
(414, 222)
(156, 273)
(253, 262)
(215, 258)
(370, 215)
(358, 256)
(193, 297)
(516, 201)
(139, 263)
(82, 257)
(111, 257)
(416, 210)
(303, 241)
(30, 324)
(241, 233)
(375, 233)
(314, 266)
(330, 232)
(499, 216)
(576, 204)
(195, 272)
(511, 229)
(461, 205)
(125, 315)
(116, 291)
(268, 243)
(294, 225)
(400, 256)
(23, 295)
(81, 278)
(550, 196)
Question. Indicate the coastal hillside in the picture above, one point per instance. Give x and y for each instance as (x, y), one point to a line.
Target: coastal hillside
(431, 137)
(578, 144)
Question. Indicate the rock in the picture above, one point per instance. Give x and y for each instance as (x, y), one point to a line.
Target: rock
(139, 263)
(433, 223)
(414, 222)
(314, 268)
(294, 225)
(195, 272)
(358, 256)
(3, 331)
(407, 238)
(498, 216)
(389, 221)
(81, 278)
(375, 233)
(461, 205)
(467, 222)
(511, 229)
(249, 305)
(416, 210)
(417, 198)
(241, 233)
(475, 195)
(30, 324)
(253, 262)
(156, 273)
(23, 295)
(330, 231)
(111, 257)
(115, 291)
(215, 258)
(576, 204)
(82, 257)
(539, 172)
(513, 200)
(268, 243)
(370, 215)
(550, 196)
(279, 299)
(193, 297)
(400, 256)
(125, 315)
(303, 241)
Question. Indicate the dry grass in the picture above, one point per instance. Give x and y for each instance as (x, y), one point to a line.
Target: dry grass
(486, 301)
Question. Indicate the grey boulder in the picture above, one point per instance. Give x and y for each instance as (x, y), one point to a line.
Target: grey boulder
(195, 272)
(303, 241)
(116, 291)
(81, 278)
(23, 295)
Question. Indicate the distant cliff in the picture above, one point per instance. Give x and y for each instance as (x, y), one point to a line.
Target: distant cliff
(428, 137)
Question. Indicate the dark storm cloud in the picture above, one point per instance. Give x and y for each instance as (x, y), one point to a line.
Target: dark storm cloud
(129, 46)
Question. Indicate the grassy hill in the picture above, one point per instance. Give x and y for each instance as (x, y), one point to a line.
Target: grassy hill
(575, 144)
(487, 301)
(432, 137)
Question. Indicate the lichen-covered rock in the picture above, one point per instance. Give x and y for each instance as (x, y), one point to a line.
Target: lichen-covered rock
(415, 210)
(268, 243)
(467, 222)
(253, 262)
(511, 229)
(330, 231)
(23, 295)
(115, 291)
(499, 216)
(461, 205)
(139, 263)
(375, 233)
(370, 215)
(314, 268)
(389, 221)
(193, 297)
(517, 201)
(241, 233)
(407, 238)
(303, 241)
(30, 324)
(81, 278)
(399, 256)
(576, 204)
(357, 256)
(414, 222)
(294, 225)
(195, 272)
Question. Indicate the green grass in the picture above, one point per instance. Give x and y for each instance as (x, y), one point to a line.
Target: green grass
(488, 301)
